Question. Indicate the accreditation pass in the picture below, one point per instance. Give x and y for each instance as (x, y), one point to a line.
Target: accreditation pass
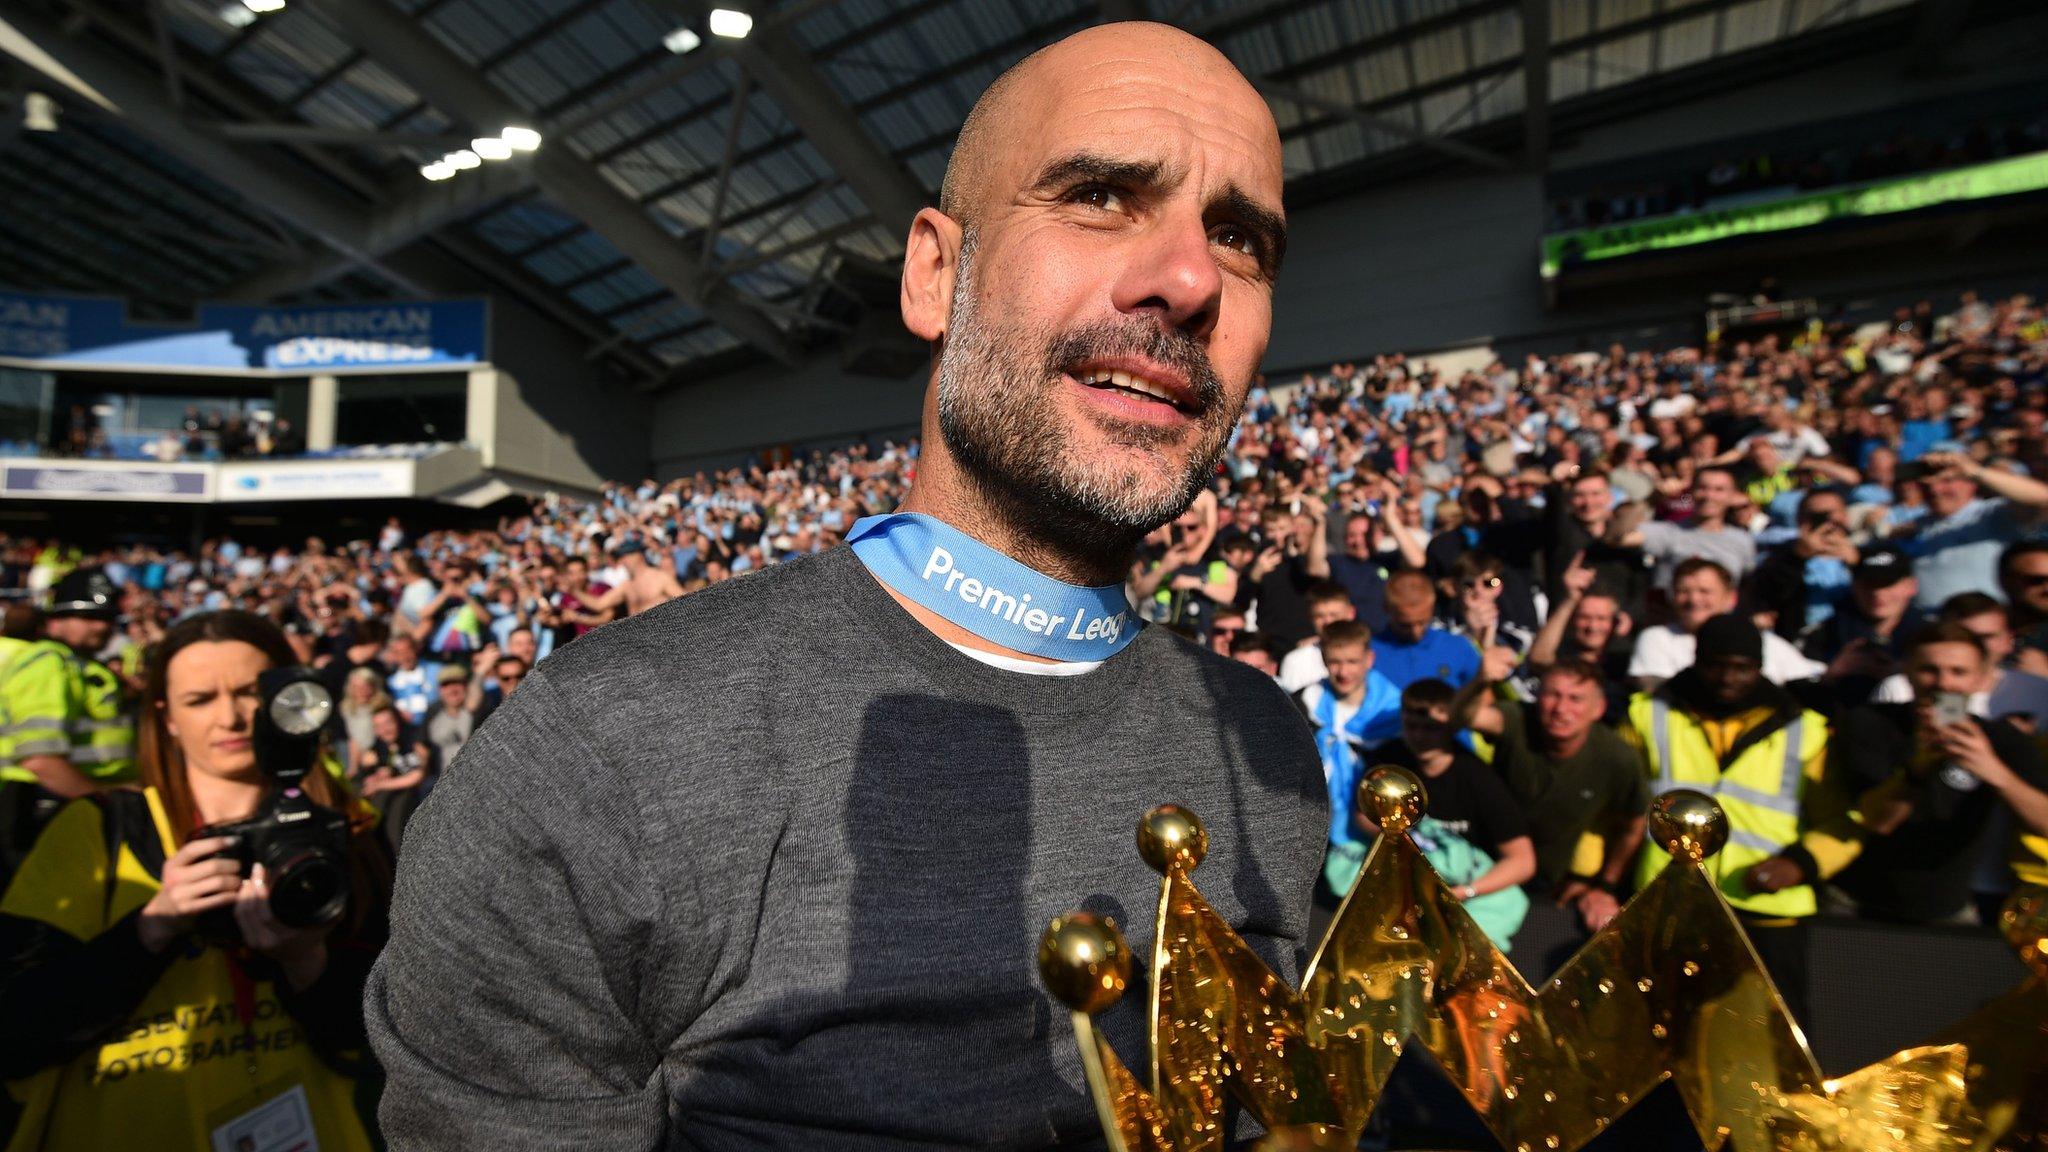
(280, 1123)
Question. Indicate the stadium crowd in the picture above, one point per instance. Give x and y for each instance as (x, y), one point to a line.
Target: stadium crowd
(1800, 572)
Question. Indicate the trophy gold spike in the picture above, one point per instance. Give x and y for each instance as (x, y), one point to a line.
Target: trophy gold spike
(1671, 989)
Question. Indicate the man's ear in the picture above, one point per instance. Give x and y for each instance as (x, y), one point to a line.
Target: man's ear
(931, 260)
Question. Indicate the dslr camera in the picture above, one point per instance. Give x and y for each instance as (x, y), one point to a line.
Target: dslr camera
(302, 846)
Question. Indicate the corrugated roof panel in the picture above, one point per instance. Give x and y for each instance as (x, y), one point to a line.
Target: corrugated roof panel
(1614, 13)
(929, 167)
(1686, 42)
(1446, 110)
(571, 258)
(474, 32)
(517, 226)
(274, 73)
(1569, 19)
(1294, 157)
(1569, 76)
(1495, 37)
(1380, 74)
(1623, 61)
(1363, 19)
(300, 37)
(379, 87)
(1258, 52)
(200, 25)
(1500, 100)
(1752, 25)
(1439, 54)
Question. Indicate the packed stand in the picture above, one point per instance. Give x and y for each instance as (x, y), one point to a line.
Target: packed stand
(1803, 574)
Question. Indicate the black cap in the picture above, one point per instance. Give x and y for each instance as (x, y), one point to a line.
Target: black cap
(1729, 635)
(85, 592)
(1235, 538)
(1883, 566)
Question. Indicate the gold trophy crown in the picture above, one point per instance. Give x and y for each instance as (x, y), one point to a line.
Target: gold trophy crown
(1670, 989)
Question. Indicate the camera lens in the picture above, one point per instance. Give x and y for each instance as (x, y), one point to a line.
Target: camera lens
(309, 889)
(301, 708)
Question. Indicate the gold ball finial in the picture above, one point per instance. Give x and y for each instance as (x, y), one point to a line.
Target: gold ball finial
(1169, 836)
(2024, 921)
(1397, 798)
(1688, 824)
(1083, 961)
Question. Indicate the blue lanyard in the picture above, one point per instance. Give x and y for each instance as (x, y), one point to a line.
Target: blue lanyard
(970, 584)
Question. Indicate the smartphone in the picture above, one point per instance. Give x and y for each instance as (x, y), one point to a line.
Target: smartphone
(1294, 506)
(1951, 708)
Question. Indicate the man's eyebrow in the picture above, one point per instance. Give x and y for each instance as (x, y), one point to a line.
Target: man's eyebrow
(1270, 226)
(1088, 166)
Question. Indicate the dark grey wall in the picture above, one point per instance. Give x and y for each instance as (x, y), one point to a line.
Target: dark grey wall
(560, 417)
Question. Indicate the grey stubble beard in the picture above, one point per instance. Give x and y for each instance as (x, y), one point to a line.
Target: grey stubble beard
(1001, 422)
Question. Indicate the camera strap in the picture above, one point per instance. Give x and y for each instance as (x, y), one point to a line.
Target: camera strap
(970, 584)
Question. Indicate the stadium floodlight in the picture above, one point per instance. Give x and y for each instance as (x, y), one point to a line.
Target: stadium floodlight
(491, 148)
(438, 170)
(521, 139)
(264, 5)
(236, 15)
(462, 158)
(731, 23)
(681, 40)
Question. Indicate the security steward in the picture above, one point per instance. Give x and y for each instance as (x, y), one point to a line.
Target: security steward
(66, 726)
(1719, 727)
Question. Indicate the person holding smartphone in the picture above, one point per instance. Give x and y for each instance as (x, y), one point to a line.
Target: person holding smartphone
(1934, 780)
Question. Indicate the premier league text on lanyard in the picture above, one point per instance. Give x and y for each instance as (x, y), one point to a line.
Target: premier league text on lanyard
(989, 594)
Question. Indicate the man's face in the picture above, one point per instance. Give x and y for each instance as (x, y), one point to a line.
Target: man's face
(1347, 665)
(1730, 678)
(1593, 622)
(523, 645)
(401, 653)
(1323, 613)
(1226, 629)
(1713, 493)
(1699, 597)
(1591, 499)
(1567, 706)
(1883, 601)
(1239, 555)
(1113, 289)
(509, 673)
(2026, 582)
(1425, 729)
(1992, 629)
(1259, 658)
(1409, 610)
(1358, 538)
(1936, 668)
(1948, 492)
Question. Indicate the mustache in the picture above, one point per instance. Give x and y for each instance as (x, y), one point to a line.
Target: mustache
(1172, 347)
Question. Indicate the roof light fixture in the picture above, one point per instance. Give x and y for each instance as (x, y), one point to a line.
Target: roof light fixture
(681, 40)
(438, 170)
(236, 15)
(39, 112)
(491, 148)
(731, 23)
(462, 158)
(264, 5)
(521, 139)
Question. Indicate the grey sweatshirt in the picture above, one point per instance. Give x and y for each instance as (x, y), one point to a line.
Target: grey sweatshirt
(767, 866)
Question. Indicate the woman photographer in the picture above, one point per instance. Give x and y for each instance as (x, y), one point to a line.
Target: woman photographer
(151, 996)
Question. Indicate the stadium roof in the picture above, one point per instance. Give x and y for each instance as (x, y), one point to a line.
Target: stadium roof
(687, 209)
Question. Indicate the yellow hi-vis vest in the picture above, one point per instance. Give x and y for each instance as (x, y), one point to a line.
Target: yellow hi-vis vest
(184, 1061)
(1760, 793)
(54, 702)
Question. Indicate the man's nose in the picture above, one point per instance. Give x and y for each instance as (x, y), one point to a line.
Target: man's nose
(1173, 274)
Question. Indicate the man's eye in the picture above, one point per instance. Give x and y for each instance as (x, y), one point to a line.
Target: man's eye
(1232, 236)
(1096, 196)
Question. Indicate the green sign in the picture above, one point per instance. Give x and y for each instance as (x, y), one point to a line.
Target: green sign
(2008, 177)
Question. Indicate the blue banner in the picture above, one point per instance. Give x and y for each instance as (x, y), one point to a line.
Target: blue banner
(84, 331)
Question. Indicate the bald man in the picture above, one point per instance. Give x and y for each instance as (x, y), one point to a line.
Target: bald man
(765, 867)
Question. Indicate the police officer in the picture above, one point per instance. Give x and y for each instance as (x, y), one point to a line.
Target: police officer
(65, 724)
